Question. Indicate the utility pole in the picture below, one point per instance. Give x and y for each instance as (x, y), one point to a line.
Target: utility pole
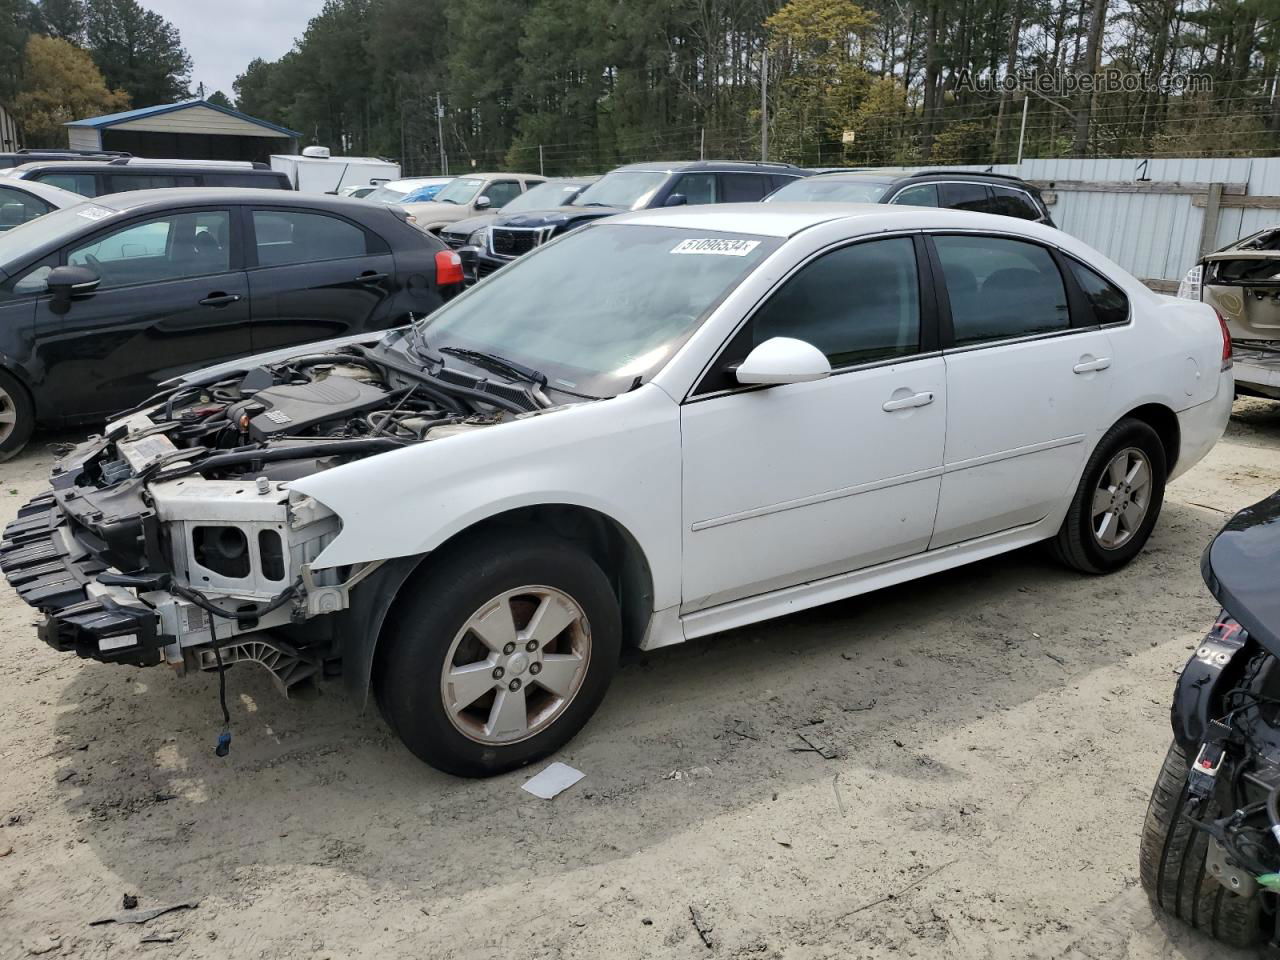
(764, 105)
(1022, 135)
(541, 169)
(444, 163)
(702, 145)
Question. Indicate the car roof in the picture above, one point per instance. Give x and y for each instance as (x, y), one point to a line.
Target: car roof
(133, 201)
(892, 174)
(788, 219)
(715, 166)
(416, 181)
(138, 165)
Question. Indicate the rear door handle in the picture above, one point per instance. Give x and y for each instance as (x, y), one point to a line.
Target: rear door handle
(370, 276)
(219, 299)
(906, 403)
(1092, 366)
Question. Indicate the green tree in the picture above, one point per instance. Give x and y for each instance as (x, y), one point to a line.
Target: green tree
(220, 99)
(137, 50)
(61, 18)
(15, 26)
(60, 83)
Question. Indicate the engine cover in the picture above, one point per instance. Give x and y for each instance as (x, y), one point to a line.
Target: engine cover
(295, 407)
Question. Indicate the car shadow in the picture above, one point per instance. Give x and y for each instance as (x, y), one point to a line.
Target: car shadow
(315, 781)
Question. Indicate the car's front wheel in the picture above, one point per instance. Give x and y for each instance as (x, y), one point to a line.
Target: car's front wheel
(1116, 506)
(502, 652)
(17, 417)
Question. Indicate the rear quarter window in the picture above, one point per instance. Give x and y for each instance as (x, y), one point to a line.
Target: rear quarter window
(1110, 305)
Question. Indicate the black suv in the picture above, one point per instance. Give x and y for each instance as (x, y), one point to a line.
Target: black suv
(638, 186)
(103, 300)
(952, 189)
(96, 178)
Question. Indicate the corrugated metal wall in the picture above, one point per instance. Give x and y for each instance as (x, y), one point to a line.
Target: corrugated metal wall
(1153, 236)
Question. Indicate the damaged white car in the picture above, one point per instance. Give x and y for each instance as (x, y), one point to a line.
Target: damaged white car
(657, 427)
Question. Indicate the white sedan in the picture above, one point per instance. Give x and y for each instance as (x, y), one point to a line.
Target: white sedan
(657, 427)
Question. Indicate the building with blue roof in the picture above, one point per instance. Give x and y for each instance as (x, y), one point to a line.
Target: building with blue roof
(190, 130)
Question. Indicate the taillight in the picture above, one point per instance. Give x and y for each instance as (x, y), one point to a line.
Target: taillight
(448, 268)
(1226, 341)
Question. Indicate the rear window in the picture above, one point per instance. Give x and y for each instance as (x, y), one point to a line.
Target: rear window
(1246, 271)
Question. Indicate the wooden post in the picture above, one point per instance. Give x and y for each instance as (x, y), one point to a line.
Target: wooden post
(1209, 226)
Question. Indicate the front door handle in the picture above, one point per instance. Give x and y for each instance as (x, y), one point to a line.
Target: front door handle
(219, 300)
(370, 276)
(1092, 366)
(906, 403)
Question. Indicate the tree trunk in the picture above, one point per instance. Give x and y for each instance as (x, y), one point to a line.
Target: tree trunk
(1011, 61)
(932, 68)
(1085, 101)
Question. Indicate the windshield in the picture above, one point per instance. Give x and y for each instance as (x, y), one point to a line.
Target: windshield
(461, 190)
(17, 244)
(543, 197)
(422, 194)
(822, 190)
(601, 306)
(629, 189)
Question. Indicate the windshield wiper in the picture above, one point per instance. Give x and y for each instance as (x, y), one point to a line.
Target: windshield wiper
(491, 361)
(597, 203)
(446, 200)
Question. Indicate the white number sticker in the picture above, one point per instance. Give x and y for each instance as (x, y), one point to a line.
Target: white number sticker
(92, 212)
(719, 247)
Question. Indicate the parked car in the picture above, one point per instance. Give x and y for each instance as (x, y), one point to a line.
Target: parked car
(464, 197)
(1209, 852)
(638, 186)
(1242, 282)
(24, 200)
(19, 157)
(953, 189)
(358, 192)
(399, 191)
(101, 301)
(628, 437)
(96, 178)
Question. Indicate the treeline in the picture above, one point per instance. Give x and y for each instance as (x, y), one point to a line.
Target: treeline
(582, 84)
(67, 59)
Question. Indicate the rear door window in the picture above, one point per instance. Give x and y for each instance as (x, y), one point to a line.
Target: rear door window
(85, 184)
(120, 182)
(965, 196)
(1013, 203)
(290, 236)
(743, 187)
(1000, 288)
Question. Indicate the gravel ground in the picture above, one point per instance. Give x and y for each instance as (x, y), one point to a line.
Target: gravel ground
(997, 730)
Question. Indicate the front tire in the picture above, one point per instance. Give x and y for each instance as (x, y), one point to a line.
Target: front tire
(17, 417)
(1116, 506)
(1172, 861)
(500, 655)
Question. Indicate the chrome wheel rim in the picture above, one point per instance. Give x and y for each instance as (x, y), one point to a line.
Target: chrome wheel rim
(1122, 498)
(516, 665)
(8, 415)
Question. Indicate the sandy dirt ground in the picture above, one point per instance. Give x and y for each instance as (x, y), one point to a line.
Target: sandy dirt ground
(997, 731)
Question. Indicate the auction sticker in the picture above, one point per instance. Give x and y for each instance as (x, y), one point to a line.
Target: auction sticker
(718, 246)
(92, 212)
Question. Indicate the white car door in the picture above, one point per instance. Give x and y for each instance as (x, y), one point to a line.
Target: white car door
(791, 483)
(1028, 384)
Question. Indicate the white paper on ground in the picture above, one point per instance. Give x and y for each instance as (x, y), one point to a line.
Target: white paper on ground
(554, 780)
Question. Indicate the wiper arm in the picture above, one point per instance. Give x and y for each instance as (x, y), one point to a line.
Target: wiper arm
(492, 361)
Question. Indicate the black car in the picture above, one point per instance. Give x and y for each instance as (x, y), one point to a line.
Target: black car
(23, 200)
(96, 178)
(18, 157)
(101, 301)
(638, 186)
(952, 189)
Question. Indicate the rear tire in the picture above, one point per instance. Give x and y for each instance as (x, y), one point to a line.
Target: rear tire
(1172, 863)
(504, 631)
(17, 417)
(1131, 449)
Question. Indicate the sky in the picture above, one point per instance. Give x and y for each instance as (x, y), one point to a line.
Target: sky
(222, 36)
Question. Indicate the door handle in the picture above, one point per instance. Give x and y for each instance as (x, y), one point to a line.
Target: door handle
(906, 403)
(219, 299)
(1091, 366)
(370, 276)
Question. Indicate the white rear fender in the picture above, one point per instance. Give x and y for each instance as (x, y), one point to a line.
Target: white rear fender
(410, 501)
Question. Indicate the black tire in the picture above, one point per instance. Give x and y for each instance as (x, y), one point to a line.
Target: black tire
(1076, 544)
(458, 584)
(16, 399)
(1172, 864)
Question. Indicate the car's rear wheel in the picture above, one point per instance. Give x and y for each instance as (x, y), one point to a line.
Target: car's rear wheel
(500, 655)
(1173, 862)
(17, 417)
(1118, 501)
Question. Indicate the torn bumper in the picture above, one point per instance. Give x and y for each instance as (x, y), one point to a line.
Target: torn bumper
(53, 571)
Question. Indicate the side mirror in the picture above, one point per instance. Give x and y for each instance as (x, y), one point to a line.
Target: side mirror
(70, 283)
(676, 200)
(482, 203)
(783, 360)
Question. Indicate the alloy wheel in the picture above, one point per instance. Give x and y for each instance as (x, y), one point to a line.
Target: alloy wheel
(8, 415)
(516, 665)
(1122, 498)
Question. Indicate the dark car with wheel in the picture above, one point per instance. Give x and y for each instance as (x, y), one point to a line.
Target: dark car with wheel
(102, 301)
(996, 193)
(638, 186)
